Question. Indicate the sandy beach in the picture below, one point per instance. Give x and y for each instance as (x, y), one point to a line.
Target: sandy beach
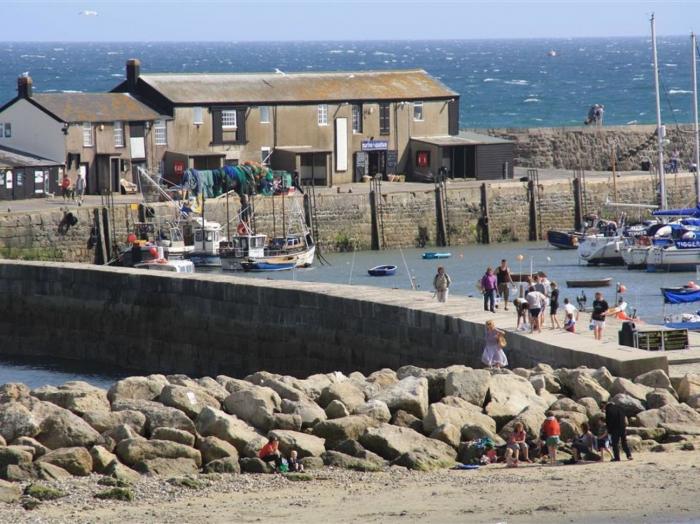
(654, 487)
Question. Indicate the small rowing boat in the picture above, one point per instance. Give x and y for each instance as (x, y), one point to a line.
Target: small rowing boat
(259, 266)
(382, 271)
(600, 282)
(563, 239)
(433, 256)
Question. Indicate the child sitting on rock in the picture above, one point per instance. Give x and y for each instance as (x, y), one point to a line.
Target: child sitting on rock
(517, 445)
(294, 465)
(551, 430)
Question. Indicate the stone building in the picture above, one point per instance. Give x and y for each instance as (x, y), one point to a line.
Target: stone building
(330, 127)
(103, 135)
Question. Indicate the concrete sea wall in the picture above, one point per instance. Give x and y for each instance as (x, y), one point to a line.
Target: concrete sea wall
(210, 324)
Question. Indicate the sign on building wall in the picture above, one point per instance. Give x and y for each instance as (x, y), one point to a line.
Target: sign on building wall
(392, 160)
(341, 144)
(375, 145)
(38, 182)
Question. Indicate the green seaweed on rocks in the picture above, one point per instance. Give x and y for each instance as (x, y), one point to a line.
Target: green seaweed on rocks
(298, 477)
(124, 494)
(40, 492)
(186, 482)
(30, 503)
(111, 481)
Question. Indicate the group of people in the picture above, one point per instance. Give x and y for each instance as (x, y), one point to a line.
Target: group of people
(595, 115)
(270, 452)
(609, 435)
(69, 191)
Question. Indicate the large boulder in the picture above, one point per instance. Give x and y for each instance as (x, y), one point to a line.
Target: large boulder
(101, 458)
(107, 420)
(16, 420)
(167, 467)
(592, 407)
(375, 409)
(447, 433)
(346, 392)
(310, 412)
(627, 387)
(76, 396)
(157, 415)
(116, 435)
(64, 429)
(406, 420)
(567, 404)
(630, 405)
(510, 394)
(212, 387)
(531, 418)
(436, 378)
(584, 386)
(285, 421)
(689, 386)
(133, 451)
(285, 387)
(336, 409)
(459, 413)
(223, 465)
(256, 406)
(669, 414)
(338, 459)
(121, 472)
(14, 455)
(173, 435)
(13, 391)
(306, 445)
(76, 460)
(256, 465)
(656, 378)
(231, 384)
(355, 449)
(188, 400)
(38, 447)
(213, 448)
(545, 381)
(383, 377)
(9, 492)
(471, 385)
(603, 377)
(137, 388)
(346, 428)
(49, 472)
(215, 423)
(660, 397)
(409, 394)
(407, 448)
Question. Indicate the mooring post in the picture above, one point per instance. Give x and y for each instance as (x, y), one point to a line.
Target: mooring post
(441, 237)
(375, 222)
(101, 251)
(578, 205)
(532, 200)
(485, 228)
(107, 234)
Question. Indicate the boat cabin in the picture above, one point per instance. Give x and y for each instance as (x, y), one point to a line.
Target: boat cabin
(246, 246)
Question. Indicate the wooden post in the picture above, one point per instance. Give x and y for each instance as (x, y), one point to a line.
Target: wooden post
(485, 228)
(107, 234)
(441, 239)
(100, 251)
(578, 205)
(375, 222)
(531, 189)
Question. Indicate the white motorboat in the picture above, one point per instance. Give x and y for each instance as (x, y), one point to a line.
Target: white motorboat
(602, 249)
(635, 256)
(172, 266)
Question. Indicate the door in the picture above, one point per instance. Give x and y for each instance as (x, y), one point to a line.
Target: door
(376, 163)
(114, 174)
(5, 187)
(90, 183)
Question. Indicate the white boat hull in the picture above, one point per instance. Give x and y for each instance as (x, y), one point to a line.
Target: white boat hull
(635, 257)
(601, 250)
(673, 259)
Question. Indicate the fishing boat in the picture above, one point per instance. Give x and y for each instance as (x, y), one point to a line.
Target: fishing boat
(257, 266)
(682, 295)
(207, 236)
(597, 282)
(433, 256)
(243, 247)
(563, 239)
(382, 271)
(171, 266)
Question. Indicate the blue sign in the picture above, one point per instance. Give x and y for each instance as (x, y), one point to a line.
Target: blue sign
(375, 145)
(688, 244)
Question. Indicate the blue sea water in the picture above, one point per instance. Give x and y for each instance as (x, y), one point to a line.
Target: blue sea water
(502, 83)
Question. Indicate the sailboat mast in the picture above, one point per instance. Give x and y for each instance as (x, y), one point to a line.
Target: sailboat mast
(659, 129)
(693, 69)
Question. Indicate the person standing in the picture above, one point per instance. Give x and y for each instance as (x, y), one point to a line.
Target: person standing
(80, 188)
(675, 161)
(504, 280)
(600, 309)
(493, 355)
(441, 283)
(616, 422)
(65, 186)
(554, 304)
(536, 301)
(489, 284)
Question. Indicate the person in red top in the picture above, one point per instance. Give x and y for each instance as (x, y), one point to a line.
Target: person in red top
(516, 445)
(270, 452)
(551, 431)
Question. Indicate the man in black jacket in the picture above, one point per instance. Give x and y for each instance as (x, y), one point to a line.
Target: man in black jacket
(616, 423)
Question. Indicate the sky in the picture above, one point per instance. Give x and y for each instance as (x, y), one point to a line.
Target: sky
(254, 20)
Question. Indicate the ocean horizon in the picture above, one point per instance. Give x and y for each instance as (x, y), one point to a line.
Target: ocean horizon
(502, 82)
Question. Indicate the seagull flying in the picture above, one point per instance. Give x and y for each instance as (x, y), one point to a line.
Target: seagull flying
(280, 72)
(88, 13)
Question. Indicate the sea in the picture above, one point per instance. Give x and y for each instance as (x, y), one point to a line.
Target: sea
(502, 83)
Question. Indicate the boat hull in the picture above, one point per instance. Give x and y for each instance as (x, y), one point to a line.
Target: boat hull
(635, 257)
(597, 250)
(301, 259)
(603, 282)
(563, 239)
(382, 271)
(204, 259)
(672, 259)
(435, 256)
(258, 267)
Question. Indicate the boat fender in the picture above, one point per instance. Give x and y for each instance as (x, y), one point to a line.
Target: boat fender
(241, 229)
(574, 241)
(617, 247)
(161, 261)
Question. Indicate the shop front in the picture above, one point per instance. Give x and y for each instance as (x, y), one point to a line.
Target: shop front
(374, 158)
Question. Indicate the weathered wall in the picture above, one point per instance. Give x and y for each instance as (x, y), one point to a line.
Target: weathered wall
(212, 324)
(591, 147)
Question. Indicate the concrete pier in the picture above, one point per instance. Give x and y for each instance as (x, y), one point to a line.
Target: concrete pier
(212, 323)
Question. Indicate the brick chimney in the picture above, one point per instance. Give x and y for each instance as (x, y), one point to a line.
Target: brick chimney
(133, 71)
(24, 86)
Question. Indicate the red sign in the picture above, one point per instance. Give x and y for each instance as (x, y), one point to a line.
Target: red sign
(423, 158)
(179, 167)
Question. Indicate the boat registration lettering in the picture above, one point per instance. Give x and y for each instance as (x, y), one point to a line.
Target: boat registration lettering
(687, 244)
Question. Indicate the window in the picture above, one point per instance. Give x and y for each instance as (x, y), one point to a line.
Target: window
(323, 114)
(87, 134)
(197, 116)
(417, 111)
(8, 130)
(228, 119)
(384, 119)
(265, 155)
(161, 133)
(357, 118)
(264, 114)
(118, 134)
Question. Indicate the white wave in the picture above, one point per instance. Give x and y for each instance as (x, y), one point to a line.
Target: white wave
(517, 82)
(70, 91)
(679, 92)
(382, 53)
(335, 51)
(58, 49)
(114, 52)
(32, 56)
(489, 79)
(528, 100)
(632, 122)
(671, 65)
(117, 74)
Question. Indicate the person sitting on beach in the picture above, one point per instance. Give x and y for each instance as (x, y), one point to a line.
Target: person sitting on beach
(516, 445)
(570, 323)
(441, 283)
(270, 452)
(536, 301)
(493, 355)
(294, 465)
(551, 431)
(582, 445)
